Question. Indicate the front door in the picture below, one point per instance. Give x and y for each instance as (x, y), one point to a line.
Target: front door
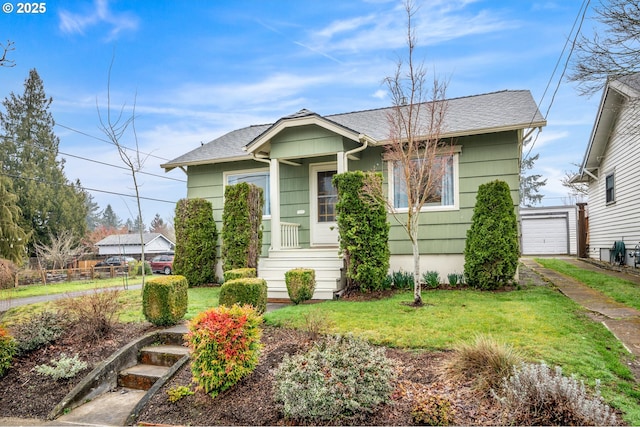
(324, 196)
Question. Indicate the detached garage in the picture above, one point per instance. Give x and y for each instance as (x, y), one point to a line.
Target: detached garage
(548, 230)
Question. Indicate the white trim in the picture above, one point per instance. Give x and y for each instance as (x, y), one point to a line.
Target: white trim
(256, 171)
(456, 190)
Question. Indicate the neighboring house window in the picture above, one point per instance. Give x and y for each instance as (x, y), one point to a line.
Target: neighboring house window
(610, 188)
(259, 179)
(443, 194)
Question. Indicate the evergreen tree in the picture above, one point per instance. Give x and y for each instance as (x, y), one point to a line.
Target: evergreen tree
(137, 225)
(93, 213)
(50, 204)
(530, 184)
(158, 225)
(110, 218)
(13, 239)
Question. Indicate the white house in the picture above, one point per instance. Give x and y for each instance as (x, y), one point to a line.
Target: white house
(129, 244)
(611, 168)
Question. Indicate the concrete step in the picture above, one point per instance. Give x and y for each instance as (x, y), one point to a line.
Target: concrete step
(162, 355)
(141, 376)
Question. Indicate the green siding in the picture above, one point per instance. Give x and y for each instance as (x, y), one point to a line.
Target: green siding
(483, 158)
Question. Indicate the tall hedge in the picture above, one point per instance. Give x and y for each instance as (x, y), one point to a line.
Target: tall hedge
(241, 226)
(491, 252)
(363, 228)
(196, 240)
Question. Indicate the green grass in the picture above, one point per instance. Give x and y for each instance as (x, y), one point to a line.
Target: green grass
(620, 290)
(61, 288)
(540, 322)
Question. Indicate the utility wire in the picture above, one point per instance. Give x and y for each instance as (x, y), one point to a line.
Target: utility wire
(42, 181)
(580, 17)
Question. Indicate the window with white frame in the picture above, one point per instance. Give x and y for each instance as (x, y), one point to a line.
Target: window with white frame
(257, 178)
(610, 188)
(442, 192)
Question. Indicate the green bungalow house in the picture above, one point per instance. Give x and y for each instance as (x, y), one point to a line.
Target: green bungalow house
(294, 159)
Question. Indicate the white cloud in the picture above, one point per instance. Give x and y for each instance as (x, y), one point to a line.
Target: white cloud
(78, 23)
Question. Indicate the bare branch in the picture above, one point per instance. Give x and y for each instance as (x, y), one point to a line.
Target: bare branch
(6, 48)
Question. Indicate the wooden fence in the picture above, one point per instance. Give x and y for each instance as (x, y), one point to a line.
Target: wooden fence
(43, 277)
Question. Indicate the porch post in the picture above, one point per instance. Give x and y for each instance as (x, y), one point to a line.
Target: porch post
(274, 186)
(342, 162)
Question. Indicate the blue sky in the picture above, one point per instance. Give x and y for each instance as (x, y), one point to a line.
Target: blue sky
(197, 69)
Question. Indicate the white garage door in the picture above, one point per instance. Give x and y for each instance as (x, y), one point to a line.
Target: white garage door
(545, 235)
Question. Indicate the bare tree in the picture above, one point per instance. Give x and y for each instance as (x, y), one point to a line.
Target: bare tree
(6, 48)
(116, 126)
(578, 190)
(612, 52)
(416, 150)
(64, 248)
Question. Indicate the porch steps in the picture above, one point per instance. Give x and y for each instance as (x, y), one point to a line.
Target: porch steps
(153, 362)
(327, 263)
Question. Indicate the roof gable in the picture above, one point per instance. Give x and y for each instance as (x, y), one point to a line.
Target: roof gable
(131, 239)
(478, 114)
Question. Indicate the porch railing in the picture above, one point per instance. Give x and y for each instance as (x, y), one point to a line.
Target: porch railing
(289, 235)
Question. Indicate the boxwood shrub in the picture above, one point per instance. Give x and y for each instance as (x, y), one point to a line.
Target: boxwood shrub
(165, 300)
(239, 273)
(250, 290)
(301, 283)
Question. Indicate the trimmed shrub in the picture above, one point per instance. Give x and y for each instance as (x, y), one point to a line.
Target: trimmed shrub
(536, 395)
(239, 273)
(432, 410)
(364, 229)
(7, 274)
(301, 283)
(241, 226)
(338, 378)
(196, 241)
(165, 300)
(225, 346)
(62, 368)
(251, 291)
(485, 362)
(8, 349)
(491, 250)
(38, 330)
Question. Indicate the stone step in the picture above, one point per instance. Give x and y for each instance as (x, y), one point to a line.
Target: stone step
(162, 355)
(141, 376)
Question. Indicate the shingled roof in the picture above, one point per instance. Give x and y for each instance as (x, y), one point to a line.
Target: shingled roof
(486, 113)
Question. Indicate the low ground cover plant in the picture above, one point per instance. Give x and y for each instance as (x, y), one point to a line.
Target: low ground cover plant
(537, 395)
(432, 410)
(62, 368)
(225, 346)
(38, 330)
(339, 377)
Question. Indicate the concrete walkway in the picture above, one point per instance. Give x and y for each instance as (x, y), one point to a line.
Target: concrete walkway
(621, 320)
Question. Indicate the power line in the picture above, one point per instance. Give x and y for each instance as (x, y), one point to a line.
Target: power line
(580, 17)
(42, 181)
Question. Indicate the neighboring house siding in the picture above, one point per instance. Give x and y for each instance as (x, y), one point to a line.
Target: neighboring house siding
(619, 220)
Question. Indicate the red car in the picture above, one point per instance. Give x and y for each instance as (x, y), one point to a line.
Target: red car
(162, 264)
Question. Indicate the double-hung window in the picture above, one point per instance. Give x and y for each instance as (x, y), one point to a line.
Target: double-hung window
(439, 184)
(610, 188)
(259, 178)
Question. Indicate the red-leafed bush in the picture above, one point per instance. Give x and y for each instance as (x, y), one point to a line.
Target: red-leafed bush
(225, 346)
(7, 350)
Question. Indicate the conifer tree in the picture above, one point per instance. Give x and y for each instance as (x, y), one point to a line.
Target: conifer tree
(13, 239)
(28, 155)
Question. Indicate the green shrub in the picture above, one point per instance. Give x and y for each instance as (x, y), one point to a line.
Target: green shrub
(62, 368)
(196, 241)
(431, 279)
(251, 290)
(453, 279)
(432, 410)
(491, 250)
(138, 269)
(402, 280)
(536, 395)
(178, 392)
(364, 230)
(225, 346)
(239, 273)
(485, 362)
(8, 349)
(38, 330)
(165, 299)
(241, 226)
(339, 377)
(301, 283)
